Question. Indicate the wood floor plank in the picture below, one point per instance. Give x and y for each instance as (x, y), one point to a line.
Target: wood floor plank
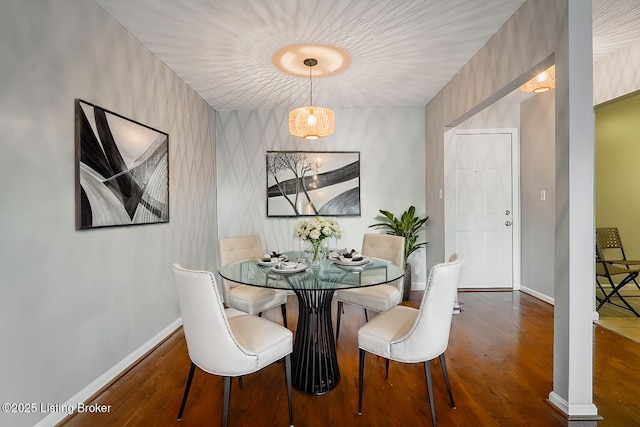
(499, 362)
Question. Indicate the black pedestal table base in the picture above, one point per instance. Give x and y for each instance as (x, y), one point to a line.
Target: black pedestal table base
(315, 364)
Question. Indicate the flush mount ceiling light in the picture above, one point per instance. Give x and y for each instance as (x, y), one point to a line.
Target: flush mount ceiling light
(331, 60)
(543, 82)
(311, 122)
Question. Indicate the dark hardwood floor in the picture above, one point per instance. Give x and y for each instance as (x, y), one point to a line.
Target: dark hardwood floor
(499, 361)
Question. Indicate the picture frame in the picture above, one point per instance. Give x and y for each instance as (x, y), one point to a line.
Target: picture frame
(121, 170)
(313, 183)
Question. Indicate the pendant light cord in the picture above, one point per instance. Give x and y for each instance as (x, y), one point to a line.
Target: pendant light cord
(311, 62)
(311, 85)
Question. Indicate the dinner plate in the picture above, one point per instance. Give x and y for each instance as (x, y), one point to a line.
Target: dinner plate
(348, 262)
(298, 269)
(273, 261)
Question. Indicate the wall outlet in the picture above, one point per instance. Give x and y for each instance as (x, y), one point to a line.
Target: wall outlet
(543, 195)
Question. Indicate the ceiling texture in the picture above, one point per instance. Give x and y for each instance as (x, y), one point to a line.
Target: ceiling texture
(402, 52)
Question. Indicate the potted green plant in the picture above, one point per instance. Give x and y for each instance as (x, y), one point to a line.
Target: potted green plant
(407, 226)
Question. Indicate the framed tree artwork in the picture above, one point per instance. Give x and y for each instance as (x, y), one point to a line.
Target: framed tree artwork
(313, 183)
(122, 170)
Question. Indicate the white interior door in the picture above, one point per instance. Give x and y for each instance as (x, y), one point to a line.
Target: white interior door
(479, 208)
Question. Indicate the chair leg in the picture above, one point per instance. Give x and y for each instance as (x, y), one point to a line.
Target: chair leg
(192, 370)
(227, 397)
(366, 316)
(427, 371)
(283, 307)
(360, 381)
(386, 369)
(616, 291)
(601, 289)
(446, 379)
(620, 286)
(287, 377)
(340, 311)
(630, 267)
(635, 281)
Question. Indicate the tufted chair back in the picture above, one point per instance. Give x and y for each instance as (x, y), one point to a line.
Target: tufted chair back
(210, 342)
(429, 336)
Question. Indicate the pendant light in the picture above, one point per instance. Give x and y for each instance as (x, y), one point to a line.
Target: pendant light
(311, 122)
(543, 82)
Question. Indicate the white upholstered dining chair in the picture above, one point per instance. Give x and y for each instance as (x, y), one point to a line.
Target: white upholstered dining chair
(409, 335)
(378, 298)
(250, 299)
(227, 342)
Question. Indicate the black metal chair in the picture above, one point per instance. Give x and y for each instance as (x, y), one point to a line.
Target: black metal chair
(607, 269)
(609, 239)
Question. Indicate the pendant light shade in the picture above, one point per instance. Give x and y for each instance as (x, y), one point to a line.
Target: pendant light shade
(543, 82)
(311, 122)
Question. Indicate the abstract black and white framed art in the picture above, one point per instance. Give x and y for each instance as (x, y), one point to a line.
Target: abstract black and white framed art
(122, 170)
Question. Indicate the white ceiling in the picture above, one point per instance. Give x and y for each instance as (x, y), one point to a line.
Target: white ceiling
(616, 24)
(403, 52)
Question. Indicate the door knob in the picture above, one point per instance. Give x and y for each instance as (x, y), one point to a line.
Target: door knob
(507, 212)
(508, 223)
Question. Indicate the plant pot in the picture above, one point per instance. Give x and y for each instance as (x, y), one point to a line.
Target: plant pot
(407, 282)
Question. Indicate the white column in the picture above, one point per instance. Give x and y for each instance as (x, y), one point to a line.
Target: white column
(574, 242)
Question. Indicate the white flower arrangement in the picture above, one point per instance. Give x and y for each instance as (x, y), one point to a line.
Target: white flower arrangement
(318, 229)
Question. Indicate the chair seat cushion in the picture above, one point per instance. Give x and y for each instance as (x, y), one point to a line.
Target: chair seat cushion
(254, 300)
(377, 335)
(232, 312)
(269, 341)
(378, 298)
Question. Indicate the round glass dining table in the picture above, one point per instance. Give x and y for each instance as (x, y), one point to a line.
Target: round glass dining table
(315, 364)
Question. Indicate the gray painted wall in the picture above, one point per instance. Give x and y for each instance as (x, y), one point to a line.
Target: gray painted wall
(391, 146)
(537, 173)
(76, 303)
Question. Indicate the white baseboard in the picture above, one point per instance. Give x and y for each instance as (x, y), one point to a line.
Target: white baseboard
(85, 394)
(574, 411)
(539, 295)
(595, 315)
(559, 402)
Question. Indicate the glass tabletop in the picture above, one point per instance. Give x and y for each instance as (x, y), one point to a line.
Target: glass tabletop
(329, 274)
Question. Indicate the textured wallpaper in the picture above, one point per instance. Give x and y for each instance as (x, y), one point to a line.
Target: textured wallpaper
(391, 146)
(616, 75)
(495, 116)
(501, 66)
(76, 303)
